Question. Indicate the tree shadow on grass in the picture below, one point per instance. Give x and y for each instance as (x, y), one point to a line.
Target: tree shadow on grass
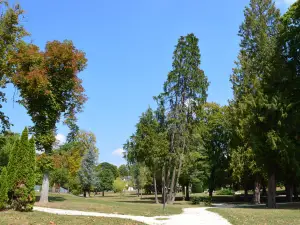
(284, 205)
(52, 199)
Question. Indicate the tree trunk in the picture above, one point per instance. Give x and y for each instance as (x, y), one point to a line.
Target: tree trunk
(295, 190)
(289, 192)
(138, 193)
(45, 188)
(210, 192)
(177, 179)
(155, 188)
(170, 195)
(164, 187)
(102, 193)
(257, 193)
(272, 191)
(84, 193)
(187, 192)
(246, 194)
(141, 193)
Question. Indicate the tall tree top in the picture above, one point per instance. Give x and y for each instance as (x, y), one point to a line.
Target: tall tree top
(49, 86)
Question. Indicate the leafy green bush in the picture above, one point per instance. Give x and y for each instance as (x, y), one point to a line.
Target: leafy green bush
(207, 201)
(197, 187)
(225, 191)
(118, 185)
(197, 200)
(76, 192)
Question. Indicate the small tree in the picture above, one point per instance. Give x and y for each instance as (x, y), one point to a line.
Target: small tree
(105, 181)
(118, 185)
(22, 173)
(3, 188)
(87, 172)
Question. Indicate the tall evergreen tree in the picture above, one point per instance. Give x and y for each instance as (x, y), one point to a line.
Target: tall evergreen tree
(185, 91)
(258, 34)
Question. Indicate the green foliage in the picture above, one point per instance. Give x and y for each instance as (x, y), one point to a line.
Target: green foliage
(197, 187)
(197, 200)
(111, 167)
(105, 180)
(11, 33)
(225, 191)
(216, 144)
(123, 171)
(21, 170)
(3, 189)
(59, 176)
(118, 185)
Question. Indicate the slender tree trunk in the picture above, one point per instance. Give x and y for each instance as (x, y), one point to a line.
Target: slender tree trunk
(138, 193)
(187, 192)
(295, 190)
(272, 191)
(45, 188)
(257, 192)
(102, 193)
(177, 179)
(289, 192)
(246, 194)
(210, 191)
(170, 196)
(84, 193)
(164, 187)
(155, 188)
(141, 193)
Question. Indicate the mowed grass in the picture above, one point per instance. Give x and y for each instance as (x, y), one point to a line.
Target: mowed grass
(25, 218)
(250, 216)
(128, 204)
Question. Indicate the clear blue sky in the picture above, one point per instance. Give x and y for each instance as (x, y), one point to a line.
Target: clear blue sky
(129, 46)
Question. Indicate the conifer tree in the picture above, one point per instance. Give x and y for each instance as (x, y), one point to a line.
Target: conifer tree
(22, 173)
(3, 188)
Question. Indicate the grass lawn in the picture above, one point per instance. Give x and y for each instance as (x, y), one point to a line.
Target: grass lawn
(39, 218)
(128, 204)
(245, 216)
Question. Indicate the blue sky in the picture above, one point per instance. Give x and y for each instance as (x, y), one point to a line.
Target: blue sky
(129, 46)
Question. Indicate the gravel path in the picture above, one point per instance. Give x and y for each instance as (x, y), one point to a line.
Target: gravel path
(190, 216)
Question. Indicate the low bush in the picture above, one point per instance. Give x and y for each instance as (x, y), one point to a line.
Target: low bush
(225, 191)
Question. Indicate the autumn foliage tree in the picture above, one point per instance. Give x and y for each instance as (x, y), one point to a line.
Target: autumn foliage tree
(49, 88)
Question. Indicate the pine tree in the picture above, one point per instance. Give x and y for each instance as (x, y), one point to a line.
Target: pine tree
(250, 107)
(87, 175)
(3, 188)
(22, 173)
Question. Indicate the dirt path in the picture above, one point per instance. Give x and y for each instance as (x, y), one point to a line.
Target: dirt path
(190, 216)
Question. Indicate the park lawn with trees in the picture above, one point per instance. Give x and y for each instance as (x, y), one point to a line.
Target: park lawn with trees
(36, 218)
(126, 204)
(185, 143)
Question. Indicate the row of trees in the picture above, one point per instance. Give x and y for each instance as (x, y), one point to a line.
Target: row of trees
(251, 143)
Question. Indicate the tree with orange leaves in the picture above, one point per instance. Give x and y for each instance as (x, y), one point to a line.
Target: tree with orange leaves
(49, 88)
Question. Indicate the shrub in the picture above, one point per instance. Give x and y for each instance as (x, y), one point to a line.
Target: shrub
(3, 189)
(197, 200)
(118, 185)
(207, 201)
(76, 192)
(197, 187)
(225, 191)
